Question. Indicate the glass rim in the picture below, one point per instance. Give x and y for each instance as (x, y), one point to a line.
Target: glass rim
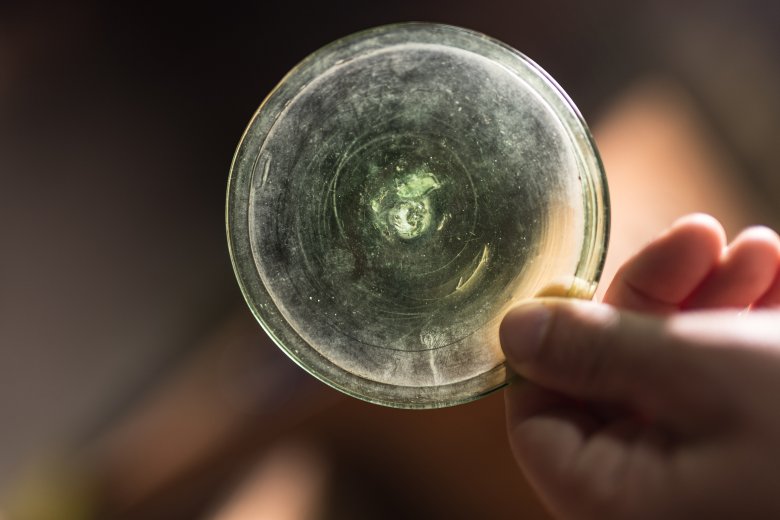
(244, 168)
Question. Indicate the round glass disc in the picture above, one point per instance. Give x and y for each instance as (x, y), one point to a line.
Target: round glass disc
(395, 194)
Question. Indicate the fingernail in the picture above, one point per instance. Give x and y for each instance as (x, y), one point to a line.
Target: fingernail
(523, 330)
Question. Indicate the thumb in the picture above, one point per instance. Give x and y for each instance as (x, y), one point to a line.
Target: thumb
(595, 352)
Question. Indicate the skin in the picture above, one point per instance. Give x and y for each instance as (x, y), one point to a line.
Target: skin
(660, 402)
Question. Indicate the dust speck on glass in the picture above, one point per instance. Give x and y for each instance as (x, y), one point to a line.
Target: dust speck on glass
(395, 194)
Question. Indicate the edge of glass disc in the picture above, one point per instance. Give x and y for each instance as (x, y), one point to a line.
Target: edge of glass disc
(595, 208)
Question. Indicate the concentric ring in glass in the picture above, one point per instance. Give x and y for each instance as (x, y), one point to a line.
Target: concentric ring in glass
(396, 194)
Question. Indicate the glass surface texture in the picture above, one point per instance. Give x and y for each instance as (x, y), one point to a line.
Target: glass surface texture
(395, 194)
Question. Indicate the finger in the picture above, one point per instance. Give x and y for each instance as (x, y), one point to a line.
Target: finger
(771, 298)
(746, 273)
(541, 421)
(585, 350)
(593, 352)
(546, 432)
(569, 456)
(538, 418)
(667, 270)
(743, 275)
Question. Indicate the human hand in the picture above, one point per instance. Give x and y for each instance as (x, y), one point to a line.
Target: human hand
(636, 410)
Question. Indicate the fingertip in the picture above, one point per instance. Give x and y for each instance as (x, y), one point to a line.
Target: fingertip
(664, 273)
(763, 237)
(702, 223)
(531, 327)
(522, 331)
(745, 272)
(696, 234)
(770, 239)
(771, 298)
(561, 344)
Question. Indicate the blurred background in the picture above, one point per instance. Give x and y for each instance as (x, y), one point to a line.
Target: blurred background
(133, 381)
